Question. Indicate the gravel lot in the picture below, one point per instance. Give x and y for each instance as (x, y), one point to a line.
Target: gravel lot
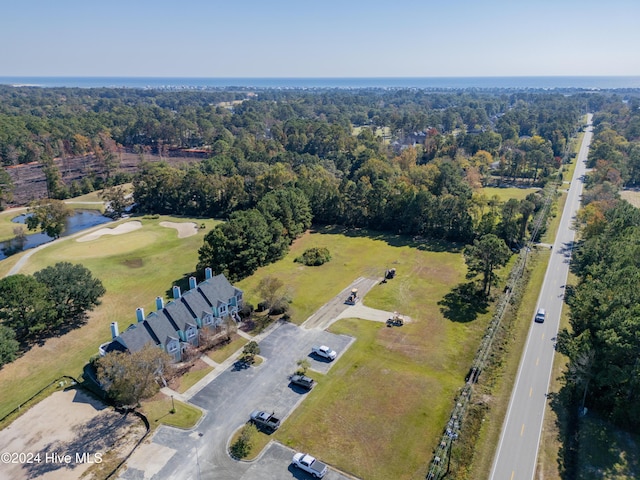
(80, 424)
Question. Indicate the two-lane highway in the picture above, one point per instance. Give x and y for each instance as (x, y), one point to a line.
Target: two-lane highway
(518, 448)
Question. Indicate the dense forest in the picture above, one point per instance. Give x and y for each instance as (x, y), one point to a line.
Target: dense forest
(603, 344)
(403, 161)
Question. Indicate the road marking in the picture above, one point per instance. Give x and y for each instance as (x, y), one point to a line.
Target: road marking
(537, 361)
(543, 336)
(530, 391)
(513, 474)
(522, 430)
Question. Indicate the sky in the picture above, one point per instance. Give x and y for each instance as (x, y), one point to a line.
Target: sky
(321, 38)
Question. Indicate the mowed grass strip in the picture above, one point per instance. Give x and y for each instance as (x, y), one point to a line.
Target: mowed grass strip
(158, 412)
(220, 354)
(135, 268)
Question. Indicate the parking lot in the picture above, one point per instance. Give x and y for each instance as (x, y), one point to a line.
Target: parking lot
(227, 401)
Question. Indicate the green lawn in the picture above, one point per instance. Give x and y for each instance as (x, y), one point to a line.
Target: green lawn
(394, 386)
(508, 193)
(220, 354)
(158, 412)
(189, 379)
(364, 254)
(6, 225)
(134, 268)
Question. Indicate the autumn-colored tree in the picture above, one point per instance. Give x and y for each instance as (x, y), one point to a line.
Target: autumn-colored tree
(129, 378)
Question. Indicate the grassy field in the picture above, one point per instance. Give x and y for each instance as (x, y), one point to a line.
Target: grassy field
(7, 226)
(631, 196)
(134, 268)
(508, 193)
(358, 253)
(394, 386)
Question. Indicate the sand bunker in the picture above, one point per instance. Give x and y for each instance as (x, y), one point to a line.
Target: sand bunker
(185, 229)
(119, 230)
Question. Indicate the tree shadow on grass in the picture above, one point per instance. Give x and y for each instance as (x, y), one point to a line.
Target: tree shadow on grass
(394, 240)
(463, 304)
(590, 446)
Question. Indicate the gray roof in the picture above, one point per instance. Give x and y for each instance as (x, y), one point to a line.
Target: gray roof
(178, 313)
(196, 302)
(218, 289)
(137, 336)
(161, 327)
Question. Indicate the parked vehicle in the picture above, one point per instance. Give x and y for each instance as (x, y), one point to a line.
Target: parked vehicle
(303, 381)
(264, 420)
(324, 351)
(540, 315)
(395, 321)
(309, 464)
(352, 298)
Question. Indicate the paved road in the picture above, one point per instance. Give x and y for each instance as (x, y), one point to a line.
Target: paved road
(518, 448)
(336, 308)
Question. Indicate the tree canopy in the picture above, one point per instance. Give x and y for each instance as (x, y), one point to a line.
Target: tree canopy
(49, 215)
(50, 302)
(129, 378)
(484, 257)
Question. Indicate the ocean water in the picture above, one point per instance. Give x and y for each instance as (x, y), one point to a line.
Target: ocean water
(429, 83)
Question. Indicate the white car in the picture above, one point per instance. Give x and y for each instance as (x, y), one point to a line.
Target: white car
(309, 464)
(324, 351)
(540, 315)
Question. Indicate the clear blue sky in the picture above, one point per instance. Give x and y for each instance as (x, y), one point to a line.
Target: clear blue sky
(321, 38)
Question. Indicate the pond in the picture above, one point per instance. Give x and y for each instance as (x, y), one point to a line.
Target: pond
(80, 220)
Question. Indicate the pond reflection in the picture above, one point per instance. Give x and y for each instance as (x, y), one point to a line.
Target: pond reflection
(80, 220)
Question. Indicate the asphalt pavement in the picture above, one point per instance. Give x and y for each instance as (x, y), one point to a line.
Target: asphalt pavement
(227, 401)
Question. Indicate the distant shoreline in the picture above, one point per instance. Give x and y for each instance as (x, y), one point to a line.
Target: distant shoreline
(429, 83)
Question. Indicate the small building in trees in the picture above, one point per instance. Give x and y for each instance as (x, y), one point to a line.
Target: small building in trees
(175, 326)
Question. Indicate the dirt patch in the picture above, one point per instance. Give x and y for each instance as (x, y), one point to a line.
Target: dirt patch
(134, 263)
(65, 435)
(185, 229)
(119, 230)
(631, 196)
(30, 182)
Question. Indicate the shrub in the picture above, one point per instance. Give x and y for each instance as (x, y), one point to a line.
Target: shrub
(242, 446)
(315, 256)
(246, 310)
(249, 351)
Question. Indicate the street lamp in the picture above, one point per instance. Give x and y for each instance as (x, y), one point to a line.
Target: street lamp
(173, 407)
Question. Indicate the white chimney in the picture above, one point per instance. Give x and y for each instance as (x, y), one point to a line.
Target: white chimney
(114, 330)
